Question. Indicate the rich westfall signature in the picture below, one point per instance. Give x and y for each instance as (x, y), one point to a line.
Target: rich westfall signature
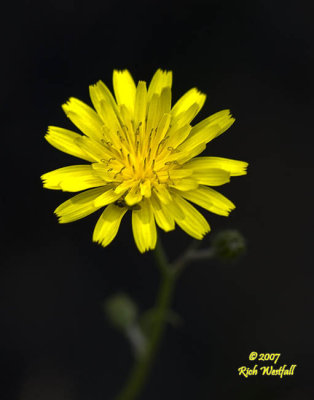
(269, 370)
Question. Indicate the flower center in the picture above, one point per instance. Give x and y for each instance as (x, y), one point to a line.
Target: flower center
(139, 160)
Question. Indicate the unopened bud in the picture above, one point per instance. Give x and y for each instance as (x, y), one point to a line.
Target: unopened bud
(121, 311)
(228, 245)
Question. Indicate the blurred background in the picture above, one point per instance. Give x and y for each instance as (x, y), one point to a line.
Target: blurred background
(254, 57)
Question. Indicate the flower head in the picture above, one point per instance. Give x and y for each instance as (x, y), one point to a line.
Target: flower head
(142, 159)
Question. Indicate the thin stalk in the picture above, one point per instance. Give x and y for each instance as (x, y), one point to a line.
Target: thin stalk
(143, 366)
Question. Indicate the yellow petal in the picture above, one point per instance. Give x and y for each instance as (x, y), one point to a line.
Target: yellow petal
(177, 136)
(125, 185)
(163, 217)
(111, 131)
(126, 121)
(160, 80)
(234, 167)
(181, 156)
(220, 115)
(212, 176)
(144, 227)
(186, 116)
(140, 106)
(162, 129)
(165, 100)
(187, 154)
(108, 224)
(72, 179)
(175, 173)
(210, 199)
(162, 193)
(205, 132)
(154, 114)
(124, 88)
(99, 93)
(172, 208)
(78, 206)
(187, 100)
(106, 198)
(84, 117)
(95, 150)
(134, 196)
(184, 184)
(193, 222)
(146, 188)
(65, 140)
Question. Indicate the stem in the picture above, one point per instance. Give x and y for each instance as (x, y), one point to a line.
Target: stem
(192, 253)
(144, 364)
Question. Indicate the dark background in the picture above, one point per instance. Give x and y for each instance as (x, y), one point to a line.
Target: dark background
(254, 57)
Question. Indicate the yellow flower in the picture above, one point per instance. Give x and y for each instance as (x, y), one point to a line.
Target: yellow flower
(142, 153)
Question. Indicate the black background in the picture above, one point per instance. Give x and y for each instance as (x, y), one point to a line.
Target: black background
(254, 57)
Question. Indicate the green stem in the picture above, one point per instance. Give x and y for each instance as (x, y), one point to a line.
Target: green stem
(144, 364)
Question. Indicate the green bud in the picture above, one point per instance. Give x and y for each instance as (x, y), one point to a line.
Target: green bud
(121, 311)
(228, 245)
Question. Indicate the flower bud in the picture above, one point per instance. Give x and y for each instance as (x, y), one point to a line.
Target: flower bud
(121, 311)
(228, 245)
